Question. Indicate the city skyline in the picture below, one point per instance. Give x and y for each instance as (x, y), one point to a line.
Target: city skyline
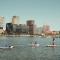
(41, 11)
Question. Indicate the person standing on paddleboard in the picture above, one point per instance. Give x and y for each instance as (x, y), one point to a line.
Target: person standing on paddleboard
(53, 41)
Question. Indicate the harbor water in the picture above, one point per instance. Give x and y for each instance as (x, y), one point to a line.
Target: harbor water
(22, 50)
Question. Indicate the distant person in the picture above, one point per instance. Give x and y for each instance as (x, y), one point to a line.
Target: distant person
(9, 46)
(35, 42)
(53, 41)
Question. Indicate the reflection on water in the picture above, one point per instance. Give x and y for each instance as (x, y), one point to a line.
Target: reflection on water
(22, 51)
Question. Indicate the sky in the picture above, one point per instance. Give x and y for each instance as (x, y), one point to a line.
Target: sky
(43, 12)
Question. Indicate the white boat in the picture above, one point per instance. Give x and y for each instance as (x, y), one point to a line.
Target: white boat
(6, 47)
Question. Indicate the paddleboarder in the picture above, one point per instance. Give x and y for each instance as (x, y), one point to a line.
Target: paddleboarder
(53, 41)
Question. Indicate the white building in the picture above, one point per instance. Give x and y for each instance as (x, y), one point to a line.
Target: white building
(15, 20)
(1, 24)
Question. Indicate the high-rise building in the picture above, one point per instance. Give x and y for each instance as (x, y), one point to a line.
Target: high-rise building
(46, 28)
(30, 24)
(1, 24)
(15, 19)
(19, 29)
(9, 28)
(15, 26)
(23, 28)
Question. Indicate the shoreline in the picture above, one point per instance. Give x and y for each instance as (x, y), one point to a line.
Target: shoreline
(22, 35)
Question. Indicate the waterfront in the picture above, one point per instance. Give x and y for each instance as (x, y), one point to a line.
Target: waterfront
(22, 51)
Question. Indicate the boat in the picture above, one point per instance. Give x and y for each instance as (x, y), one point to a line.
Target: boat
(6, 47)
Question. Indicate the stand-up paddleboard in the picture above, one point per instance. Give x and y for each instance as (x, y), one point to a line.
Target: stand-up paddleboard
(35, 45)
(51, 45)
(6, 47)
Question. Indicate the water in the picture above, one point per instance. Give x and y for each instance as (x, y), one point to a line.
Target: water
(22, 51)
